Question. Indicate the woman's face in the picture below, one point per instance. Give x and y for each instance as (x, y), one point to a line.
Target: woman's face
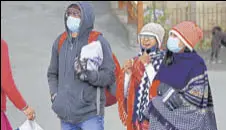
(147, 41)
(181, 44)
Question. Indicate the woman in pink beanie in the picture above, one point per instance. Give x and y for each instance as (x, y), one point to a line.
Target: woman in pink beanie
(184, 100)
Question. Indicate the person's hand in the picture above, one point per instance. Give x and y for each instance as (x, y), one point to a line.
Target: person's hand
(174, 101)
(30, 113)
(171, 97)
(145, 58)
(128, 66)
(83, 75)
(80, 67)
(77, 65)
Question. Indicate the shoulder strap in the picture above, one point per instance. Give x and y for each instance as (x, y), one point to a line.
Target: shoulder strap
(61, 41)
(92, 37)
(117, 65)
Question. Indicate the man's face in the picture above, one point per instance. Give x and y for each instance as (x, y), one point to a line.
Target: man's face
(74, 12)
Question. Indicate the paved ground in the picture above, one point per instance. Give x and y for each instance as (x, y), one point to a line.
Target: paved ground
(30, 29)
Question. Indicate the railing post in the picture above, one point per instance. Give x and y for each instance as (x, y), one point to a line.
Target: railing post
(129, 8)
(154, 8)
(217, 14)
(186, 11)
(120, 4)
(130, 11)
(177, 13)
(140, 14)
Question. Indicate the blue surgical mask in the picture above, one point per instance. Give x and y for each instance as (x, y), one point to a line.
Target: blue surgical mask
(73, 24)
(173, 44)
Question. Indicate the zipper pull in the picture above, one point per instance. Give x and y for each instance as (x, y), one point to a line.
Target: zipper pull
(71, 46)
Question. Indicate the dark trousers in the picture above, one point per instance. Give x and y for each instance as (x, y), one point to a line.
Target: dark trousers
(215, 52)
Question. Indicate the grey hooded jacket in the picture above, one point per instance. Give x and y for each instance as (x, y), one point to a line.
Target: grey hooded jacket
(76, 100)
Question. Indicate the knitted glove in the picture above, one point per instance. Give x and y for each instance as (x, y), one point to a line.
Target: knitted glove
(81, 69)
(171, 97)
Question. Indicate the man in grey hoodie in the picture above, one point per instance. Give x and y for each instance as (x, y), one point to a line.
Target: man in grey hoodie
(75, 97)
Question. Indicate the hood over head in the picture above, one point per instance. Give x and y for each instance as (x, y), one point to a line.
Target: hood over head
(87, 18)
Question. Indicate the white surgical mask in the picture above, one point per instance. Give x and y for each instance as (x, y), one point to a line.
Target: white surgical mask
(173, 44)
(73, 24)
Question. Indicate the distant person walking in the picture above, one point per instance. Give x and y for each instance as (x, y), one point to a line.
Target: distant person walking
(218, 39)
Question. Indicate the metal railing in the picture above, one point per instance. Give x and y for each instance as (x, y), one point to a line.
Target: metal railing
(134, 12)
(205, 17)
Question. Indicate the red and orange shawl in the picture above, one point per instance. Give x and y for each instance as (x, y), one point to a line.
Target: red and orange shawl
(126, 106)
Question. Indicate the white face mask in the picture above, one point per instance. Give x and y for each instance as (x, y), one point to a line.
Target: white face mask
(173, 44)
(73, 24)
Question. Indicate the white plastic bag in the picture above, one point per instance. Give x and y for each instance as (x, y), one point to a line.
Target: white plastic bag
(94, 53)
(29, 125)
(126, 84)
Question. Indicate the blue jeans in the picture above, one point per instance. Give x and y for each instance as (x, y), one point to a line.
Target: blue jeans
(94, 123)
